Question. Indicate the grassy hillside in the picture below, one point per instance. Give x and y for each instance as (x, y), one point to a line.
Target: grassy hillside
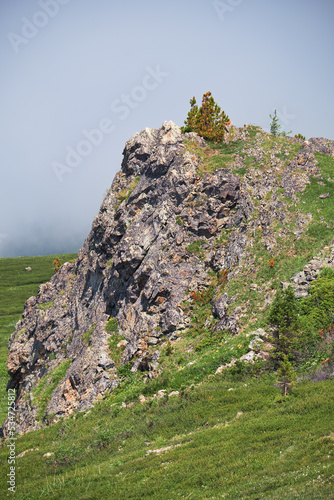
(232, 436)
(16, 286)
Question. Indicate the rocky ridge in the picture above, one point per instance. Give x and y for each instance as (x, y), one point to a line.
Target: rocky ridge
(164, 226)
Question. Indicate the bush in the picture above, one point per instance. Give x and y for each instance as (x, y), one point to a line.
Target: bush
(317, 310)
(208, 121)
(303, 330)
(283, 317)
(300, 136)
(326, 272)
(57, 264)
(286, 376)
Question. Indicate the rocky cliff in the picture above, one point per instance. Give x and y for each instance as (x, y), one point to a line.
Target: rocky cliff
(171, 220)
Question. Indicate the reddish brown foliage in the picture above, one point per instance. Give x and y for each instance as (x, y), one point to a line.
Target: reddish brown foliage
(271, 263)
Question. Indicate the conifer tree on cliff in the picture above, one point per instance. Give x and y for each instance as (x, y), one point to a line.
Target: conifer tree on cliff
(275, 127)
(208, 121)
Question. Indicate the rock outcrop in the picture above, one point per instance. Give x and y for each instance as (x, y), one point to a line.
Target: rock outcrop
(300, 282)
(134, 266)
(152, 245)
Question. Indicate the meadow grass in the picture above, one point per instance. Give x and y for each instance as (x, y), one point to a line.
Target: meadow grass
(225, 438)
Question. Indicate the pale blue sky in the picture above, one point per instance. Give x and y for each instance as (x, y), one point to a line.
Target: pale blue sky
(67, 65)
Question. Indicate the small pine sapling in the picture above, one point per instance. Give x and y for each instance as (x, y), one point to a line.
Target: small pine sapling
(275, 127)
(286, 376)
(190, 122)
(208, 121)
(283, 317)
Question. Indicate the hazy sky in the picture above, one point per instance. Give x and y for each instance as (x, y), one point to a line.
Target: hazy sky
(80, 77)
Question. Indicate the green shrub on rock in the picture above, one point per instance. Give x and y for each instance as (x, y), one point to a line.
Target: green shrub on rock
(208, 121)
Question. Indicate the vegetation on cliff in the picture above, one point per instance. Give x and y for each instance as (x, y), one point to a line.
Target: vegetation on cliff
(208, 120)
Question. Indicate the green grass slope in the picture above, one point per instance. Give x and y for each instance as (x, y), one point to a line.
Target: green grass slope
(229, 437)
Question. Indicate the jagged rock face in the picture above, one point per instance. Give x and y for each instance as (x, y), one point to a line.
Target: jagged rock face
(134, 266)
(137, 266)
